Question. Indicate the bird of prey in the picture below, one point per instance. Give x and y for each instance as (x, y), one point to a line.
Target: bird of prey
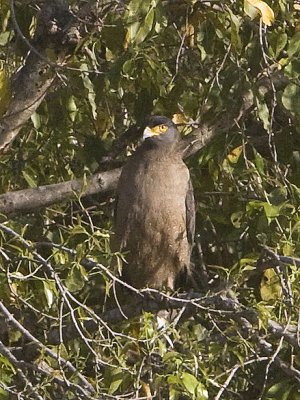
(155, 213)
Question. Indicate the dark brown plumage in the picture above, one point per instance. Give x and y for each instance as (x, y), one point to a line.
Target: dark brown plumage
(154, 221)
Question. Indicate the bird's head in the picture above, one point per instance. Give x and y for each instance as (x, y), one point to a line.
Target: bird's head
(160, 128)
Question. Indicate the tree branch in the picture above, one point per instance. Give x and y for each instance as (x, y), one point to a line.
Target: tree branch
(43, 196)
(222, 305)
(32, 82)
(20, 370)
(44, 348)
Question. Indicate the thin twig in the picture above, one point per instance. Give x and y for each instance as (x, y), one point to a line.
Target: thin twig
(20, 371)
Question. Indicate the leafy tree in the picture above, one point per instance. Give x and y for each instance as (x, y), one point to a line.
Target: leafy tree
(77, 79)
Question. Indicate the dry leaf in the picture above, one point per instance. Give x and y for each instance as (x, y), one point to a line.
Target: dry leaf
(179, 118)
(264, 9)
(234, 154)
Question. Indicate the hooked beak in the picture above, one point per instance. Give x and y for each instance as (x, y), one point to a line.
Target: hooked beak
(148, 132)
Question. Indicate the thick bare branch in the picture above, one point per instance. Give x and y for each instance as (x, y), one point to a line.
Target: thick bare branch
(30, 199)
(26, 99)
(32, 82)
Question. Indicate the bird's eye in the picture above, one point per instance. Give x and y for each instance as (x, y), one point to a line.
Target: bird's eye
(163, 128)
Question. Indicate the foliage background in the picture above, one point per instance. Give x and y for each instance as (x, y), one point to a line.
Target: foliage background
(200, 60)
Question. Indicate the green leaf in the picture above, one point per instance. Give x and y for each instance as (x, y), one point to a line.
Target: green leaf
(201, 392)
(194, 387)
(294, 45)
(50, 292)
(263, 113)
(90, 89)
(75, 279)
(146, 27)
(5, 362)
(72, 108)
(292, 70)
(251, 11)
(235, 27)
(278, 42)
(173, 380)
(237, 218)
(138, 6)
(291, 98)
(189, 382)
(36, 120)
(128, 67)
(278, 196)
(173, 393)
(270, 288)
(79, 230)
(132, 31)
(31, 181)
(4, 91)
(4, 38)
(259, 163)
(271, 211)
(171, 355)
(255, 205)
(296, 192)
(280, 390)
(117, 379)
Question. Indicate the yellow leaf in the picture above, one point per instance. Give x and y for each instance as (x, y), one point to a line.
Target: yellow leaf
(265, 11)
(234, 155)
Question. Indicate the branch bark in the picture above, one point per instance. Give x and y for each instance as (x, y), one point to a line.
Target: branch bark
(28, 93)
(20, 370)
(43, 196)
(222, 304)
(11, 319)
(56, 29)
(30, 199)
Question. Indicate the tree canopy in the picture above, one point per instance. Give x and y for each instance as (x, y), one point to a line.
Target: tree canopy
(77, 79)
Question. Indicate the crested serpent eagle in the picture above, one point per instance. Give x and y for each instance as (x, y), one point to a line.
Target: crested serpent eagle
(155, 213)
